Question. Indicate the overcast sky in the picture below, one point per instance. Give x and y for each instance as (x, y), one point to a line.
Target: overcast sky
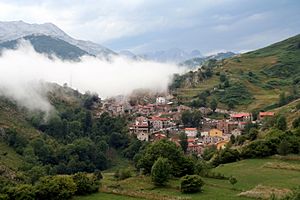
(141, 26)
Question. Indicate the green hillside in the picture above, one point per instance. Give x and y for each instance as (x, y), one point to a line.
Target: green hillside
(262, 74)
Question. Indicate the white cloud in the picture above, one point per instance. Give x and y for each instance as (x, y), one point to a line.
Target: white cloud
(20, 69)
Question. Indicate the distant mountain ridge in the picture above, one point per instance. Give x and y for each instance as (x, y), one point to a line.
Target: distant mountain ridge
(197, 61)
(14, 30)
(174, 55)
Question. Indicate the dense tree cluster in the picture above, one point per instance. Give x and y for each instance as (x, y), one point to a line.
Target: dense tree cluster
(180, 164)
(53, 188)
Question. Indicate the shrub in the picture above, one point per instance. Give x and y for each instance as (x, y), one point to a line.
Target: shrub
(21, 192)
(281, 123)
(191, 184)
(232, 180)
(226, 156)
(85, 184)
(55, 188)
(296, 122)
(160, 171)
(123, 174)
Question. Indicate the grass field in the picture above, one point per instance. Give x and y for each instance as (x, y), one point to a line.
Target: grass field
(271, 172)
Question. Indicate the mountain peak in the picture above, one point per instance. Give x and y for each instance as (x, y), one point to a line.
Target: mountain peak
(13, 30)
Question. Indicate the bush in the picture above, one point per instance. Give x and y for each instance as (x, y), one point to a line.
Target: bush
(281, 123)
(123, 174)
(232, 180)
(226, 156)
(215, 175)
(160, 171)
(296, 122)
(21, 192)
(260, 148)
(55, 188)
(191, 184)
(85, 184)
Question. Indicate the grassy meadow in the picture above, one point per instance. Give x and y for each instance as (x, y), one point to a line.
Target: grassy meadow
(270, 175)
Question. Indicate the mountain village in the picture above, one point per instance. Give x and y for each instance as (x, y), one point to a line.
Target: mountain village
(162, 119)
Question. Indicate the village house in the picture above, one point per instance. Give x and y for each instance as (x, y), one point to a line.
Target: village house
(145, 110)
(227, 126)
(161, 100)
(215, 133)
(241, 117)
(204, 133)
(142, 136)
(190, 132)
(263, 115)
(159, 123)
(141, 125)
(195, 149)
(211, 140)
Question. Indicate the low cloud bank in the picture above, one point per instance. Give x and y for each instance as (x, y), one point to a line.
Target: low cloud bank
(23, 70)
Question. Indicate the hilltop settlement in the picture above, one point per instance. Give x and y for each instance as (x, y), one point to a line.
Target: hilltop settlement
(163, 118)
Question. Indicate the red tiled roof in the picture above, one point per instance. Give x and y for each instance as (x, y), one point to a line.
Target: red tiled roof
(266, 114)
(238, 115)
(190, 129)
(159, 118)
(190, 140)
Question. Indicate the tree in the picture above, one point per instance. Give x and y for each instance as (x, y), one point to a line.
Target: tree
(282, 99)
(183, 141)
(85, 184)
(281, 123)
(166, 149)
(160, 171)
(222, 78)
(226, 156)
(232, 180)
(226, 84)
(88, 122)
(209, 152)
(296, 122)
(55, 188)
(230, 105)
(191, 118)
(283, 147)
(21, 192)
(232, 139)
(253, 134)
(191, 184)
(213, 104)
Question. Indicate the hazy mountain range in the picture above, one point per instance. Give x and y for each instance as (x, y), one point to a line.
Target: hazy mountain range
(49, 39)
(14, 30)
(174, 55)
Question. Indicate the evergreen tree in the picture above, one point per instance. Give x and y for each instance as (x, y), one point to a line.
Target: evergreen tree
(213, 104)
(281, 123)
(183, 141)
(160, 171)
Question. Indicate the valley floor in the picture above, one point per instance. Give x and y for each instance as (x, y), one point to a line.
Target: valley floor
(271, 175)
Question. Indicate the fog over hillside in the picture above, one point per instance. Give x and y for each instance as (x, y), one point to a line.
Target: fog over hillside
(22, 70)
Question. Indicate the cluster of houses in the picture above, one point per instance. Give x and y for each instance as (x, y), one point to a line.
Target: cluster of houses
(162, 120)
